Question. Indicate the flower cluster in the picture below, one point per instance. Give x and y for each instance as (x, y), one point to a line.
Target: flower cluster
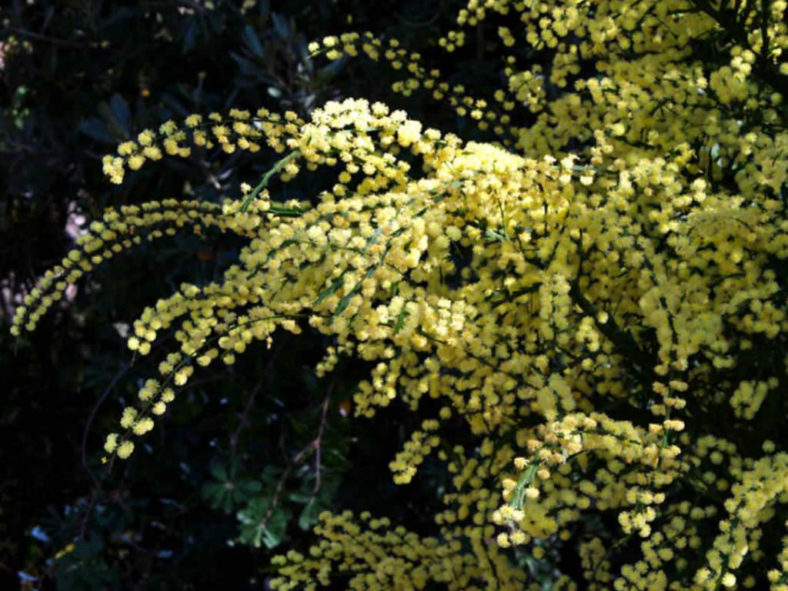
(600, 298)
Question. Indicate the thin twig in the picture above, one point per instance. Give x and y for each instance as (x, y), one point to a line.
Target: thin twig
(243, 420)
(315, 445)
(318, 439)
(53, 40)
(86, 431)
(84, 454)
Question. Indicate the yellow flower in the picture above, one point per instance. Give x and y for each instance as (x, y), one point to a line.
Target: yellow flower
(125, 449)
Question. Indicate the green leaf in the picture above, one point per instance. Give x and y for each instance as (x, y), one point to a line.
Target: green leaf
(189, 37)
(298, 497)
(215, 493)
(518, 497)
(219, 471)
(227, 505)
(495, 236)
(261, 527)
(96, 129)
(247, 487)
(278, 165)
(271, 474)
(281, 26)
(344, 302)
(327, 73)
(400, 320)
(287, 211)
(309, 514)
(373, 239)
(121, 113)
(335, 286)
(252, 41)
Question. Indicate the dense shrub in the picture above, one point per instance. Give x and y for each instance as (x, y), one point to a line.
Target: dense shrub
(576, 309)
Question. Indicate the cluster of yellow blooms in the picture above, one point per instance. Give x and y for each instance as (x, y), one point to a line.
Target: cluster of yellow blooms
(592, 294)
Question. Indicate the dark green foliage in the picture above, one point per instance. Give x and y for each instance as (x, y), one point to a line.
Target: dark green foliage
(247, 458)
